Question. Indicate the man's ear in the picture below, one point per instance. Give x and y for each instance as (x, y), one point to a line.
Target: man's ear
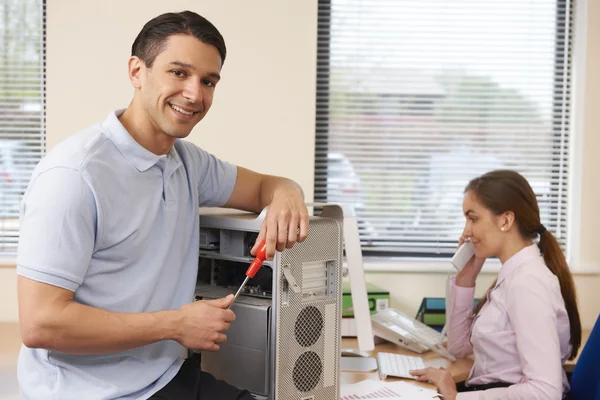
(135, 69)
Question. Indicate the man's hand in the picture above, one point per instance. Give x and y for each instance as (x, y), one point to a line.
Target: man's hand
(286, 221)
(202, 323)
(440, 377)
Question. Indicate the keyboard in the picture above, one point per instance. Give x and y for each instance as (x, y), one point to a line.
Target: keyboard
(398, 365)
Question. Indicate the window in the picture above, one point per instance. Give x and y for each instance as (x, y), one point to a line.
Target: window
(21, 108)
(415, 98)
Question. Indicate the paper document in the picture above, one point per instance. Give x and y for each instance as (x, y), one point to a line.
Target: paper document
(369, 389)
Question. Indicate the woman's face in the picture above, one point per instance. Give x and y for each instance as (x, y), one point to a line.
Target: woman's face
(482, 226)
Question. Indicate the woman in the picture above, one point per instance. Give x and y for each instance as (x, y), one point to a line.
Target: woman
(527, 325)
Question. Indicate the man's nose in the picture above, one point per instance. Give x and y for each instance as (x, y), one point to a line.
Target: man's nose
(193, 92)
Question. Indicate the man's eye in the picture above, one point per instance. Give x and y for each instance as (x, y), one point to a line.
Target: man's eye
(208, 83)
(178, 73)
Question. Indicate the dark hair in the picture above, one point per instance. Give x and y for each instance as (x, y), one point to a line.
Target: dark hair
(505, 190)
(151, 39)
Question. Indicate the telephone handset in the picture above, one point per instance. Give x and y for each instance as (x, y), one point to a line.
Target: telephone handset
(462, 256)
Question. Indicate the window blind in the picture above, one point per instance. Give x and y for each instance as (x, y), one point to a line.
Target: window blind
(415, 98)
(21, 108)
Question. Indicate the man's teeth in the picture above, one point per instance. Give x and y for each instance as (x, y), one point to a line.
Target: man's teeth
(181, 110)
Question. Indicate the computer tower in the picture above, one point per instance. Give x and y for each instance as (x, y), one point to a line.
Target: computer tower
(285, 341)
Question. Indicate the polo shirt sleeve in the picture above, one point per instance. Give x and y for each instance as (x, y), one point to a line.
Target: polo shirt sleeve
(58, 228)
(217, 179)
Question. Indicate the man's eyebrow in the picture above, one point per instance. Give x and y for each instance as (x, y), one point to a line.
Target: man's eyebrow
(182, 65)
(214, 75)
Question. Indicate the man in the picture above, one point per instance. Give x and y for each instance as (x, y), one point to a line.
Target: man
(108, 253)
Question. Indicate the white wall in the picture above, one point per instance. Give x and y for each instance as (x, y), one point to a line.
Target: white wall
(266, 100)
(590, 197)
(8, 294)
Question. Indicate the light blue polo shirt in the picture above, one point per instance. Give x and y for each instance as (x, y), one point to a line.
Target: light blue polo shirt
(119, 226)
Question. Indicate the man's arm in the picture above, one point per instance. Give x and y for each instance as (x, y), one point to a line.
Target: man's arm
(286, 221)
(60, 230)
(51, 319)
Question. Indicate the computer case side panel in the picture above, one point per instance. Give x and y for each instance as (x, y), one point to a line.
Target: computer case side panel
(307, 323)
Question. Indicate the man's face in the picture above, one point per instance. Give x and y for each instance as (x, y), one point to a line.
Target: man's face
(177, 91)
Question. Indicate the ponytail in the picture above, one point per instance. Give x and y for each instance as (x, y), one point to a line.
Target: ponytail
(556, 262)
(482, 301)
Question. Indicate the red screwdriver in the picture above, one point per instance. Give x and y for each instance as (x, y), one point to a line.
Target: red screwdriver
(261, 255)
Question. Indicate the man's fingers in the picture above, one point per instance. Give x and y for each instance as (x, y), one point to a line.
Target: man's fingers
(228, 316)
(223, 302)
(259, 239)
(303, 226)
(271, 236)
(211, 347)
(282, 230)
(292, 232)
(221, 338)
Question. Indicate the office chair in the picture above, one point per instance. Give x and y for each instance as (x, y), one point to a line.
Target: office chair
(585, 381)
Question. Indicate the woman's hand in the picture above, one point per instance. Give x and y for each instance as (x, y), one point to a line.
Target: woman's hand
(468, 275)
(440, 377)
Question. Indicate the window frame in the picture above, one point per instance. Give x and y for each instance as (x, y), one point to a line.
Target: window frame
(568, 18)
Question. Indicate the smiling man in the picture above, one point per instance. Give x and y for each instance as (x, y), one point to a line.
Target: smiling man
(108, 251)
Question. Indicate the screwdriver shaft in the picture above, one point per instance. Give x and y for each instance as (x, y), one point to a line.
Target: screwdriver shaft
(239, 291)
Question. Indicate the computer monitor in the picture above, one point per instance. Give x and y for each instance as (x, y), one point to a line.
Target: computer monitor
(358, 286)
(356, 272)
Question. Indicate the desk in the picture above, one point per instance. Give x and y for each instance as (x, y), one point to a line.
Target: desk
(459, 369)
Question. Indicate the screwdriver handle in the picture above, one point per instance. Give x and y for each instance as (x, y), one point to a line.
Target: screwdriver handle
(261, 255)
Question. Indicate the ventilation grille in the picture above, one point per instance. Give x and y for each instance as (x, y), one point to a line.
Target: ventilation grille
(308, 326)
(307, 371)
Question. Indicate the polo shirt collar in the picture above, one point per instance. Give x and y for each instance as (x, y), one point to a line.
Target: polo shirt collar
(134, 152)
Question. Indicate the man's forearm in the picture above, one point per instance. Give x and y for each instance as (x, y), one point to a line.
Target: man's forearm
(81, 329)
